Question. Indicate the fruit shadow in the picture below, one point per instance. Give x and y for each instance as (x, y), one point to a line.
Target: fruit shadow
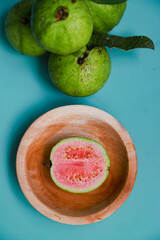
(3, 38)
(42, 68)
(16, 133)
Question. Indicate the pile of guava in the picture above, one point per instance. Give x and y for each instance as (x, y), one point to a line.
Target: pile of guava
(75, 32)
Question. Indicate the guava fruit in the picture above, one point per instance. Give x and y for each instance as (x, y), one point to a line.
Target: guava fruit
(61, 26)
(105, 16)
(79, 165)
(18, 29)
(82, 73)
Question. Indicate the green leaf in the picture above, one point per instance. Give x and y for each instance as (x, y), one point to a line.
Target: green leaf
(124, 43)
(109, 1)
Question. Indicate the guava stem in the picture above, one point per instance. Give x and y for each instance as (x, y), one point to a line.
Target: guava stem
(81, 60)
(49, 165)
(124, 43)
(25, 20)
(61, 14)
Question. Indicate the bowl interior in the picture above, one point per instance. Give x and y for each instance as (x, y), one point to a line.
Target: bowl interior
(61, 201)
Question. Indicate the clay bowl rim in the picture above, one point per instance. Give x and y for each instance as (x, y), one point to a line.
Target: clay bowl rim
(115, 205)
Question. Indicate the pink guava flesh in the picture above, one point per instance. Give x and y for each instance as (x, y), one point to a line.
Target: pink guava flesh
(79, 165)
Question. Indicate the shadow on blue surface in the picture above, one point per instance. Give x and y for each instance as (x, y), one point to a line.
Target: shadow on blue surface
(119, 54)
(42, 68)
(17, 131)
(43, 74)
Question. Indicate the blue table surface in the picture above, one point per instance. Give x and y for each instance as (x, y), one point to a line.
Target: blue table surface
(132, 95)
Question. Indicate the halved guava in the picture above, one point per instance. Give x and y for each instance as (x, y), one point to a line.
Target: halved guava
(79, 165)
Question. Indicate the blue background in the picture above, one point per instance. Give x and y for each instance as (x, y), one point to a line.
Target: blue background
(132, 95)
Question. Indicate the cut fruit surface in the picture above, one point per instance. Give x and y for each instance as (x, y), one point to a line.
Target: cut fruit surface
(79, 164)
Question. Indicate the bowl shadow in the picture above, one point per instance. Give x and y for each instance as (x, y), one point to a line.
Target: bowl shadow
(17, 131)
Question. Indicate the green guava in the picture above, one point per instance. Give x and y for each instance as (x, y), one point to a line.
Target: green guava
(79, 165)
(61, 26)
(105, 16)
(82, 73)
(18, 29)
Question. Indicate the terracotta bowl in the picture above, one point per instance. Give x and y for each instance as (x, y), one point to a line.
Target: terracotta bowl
(35, 180)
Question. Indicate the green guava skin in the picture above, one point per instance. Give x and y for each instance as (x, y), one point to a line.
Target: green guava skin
(18, 30)
(80, 80)
(105, 16)
(63, 36)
